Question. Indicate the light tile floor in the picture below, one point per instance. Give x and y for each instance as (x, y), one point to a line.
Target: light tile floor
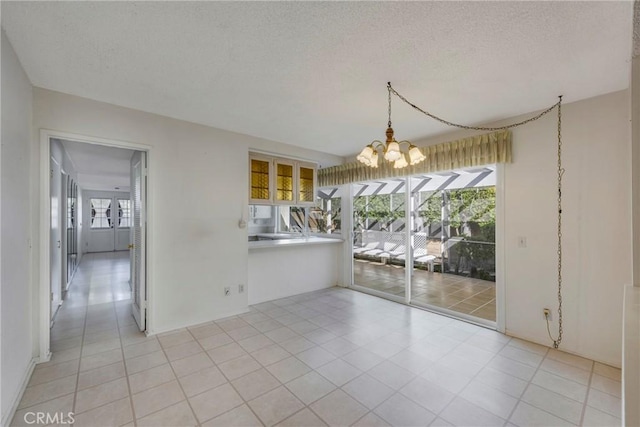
(334, 357)
(458, 293)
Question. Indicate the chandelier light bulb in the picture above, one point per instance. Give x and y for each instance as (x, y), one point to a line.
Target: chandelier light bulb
(365, 155)
(374, 160)
(401, 162)
(392, 152)
(415, 155)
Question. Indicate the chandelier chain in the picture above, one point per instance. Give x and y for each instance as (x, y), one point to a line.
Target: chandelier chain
(560, 172)
(389, 90)
(448, 123)
(556, 342)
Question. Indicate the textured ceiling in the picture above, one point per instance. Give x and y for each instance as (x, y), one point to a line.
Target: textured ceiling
(100, 167)
(314, 74)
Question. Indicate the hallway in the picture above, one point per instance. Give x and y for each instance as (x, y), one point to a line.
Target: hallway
(93, 323)
(101, 278)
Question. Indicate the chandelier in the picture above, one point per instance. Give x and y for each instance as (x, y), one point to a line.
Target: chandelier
(390, 148)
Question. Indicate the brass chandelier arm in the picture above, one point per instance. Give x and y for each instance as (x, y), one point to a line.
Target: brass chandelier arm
(448, 123)
(379, 144)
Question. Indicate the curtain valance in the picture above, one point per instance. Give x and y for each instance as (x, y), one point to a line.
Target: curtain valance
(478, 150)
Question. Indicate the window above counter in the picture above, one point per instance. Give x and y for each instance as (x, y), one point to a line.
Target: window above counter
(284, 221)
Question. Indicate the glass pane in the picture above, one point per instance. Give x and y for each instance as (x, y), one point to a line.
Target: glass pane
(100, 213)
(124, 213)
(284, 182)
(379, 247)
(326, 216)
(306, 184)
(291, 219)
(70, 209)
(259, 179)
(453, 242)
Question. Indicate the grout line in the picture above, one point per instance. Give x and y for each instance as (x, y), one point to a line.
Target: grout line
(552, 391)
(244, 402)
(84, 329)
(124, 362)
(325, 309)
(216, 366)
(586, 396)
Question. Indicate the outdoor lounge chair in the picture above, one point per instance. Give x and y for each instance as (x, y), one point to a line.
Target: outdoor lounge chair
(398, 252)
(384, 248)
(426, 259)
(420, 256)
(368, 247)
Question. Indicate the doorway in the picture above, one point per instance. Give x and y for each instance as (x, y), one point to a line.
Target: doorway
(429, 241)
(90, 190)
(108, 217)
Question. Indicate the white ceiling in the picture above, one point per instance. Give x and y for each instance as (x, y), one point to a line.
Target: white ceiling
(100, 167)
(314, 74)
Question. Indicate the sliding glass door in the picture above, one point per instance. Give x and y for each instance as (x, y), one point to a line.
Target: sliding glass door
(442, 228)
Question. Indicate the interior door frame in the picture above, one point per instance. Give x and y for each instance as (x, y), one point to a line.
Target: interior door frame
(56, 294)
(139, 311)
(45, 239)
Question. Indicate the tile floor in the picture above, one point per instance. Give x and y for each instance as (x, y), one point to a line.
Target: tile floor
(334, 357)
(458, 293)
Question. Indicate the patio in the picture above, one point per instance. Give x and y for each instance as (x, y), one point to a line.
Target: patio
(466, 295)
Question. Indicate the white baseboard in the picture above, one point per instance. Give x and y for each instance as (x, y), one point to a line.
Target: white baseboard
(6, 419)
(151, 331)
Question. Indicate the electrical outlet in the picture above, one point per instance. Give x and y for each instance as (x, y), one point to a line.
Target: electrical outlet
(240, 288)
(547, 313)
(227, 291)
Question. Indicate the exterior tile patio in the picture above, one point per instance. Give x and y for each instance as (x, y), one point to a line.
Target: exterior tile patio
(466, 295)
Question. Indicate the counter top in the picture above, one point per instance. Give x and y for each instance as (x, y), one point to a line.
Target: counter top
(262, 244)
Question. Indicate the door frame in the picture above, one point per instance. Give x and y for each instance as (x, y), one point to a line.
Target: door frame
(45, 239)
(348, 271)
(52, 293)
(104, 194)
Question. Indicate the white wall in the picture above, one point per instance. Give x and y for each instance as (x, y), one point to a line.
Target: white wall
(596, 225)
(596, 232)
(198, 179)
(635, 151)
(15, 294)
(631, 356)
(285, 271)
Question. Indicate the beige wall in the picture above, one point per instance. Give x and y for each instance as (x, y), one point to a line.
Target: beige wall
(631, 362)
(15, 293)
(597, 217)
(635, 151)
(596, 233)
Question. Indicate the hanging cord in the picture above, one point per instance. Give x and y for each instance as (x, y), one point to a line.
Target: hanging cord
(556, 342)
(448, 123)
(389, 90)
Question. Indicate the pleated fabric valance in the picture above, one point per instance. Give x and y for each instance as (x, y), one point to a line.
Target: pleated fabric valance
(478, 150)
